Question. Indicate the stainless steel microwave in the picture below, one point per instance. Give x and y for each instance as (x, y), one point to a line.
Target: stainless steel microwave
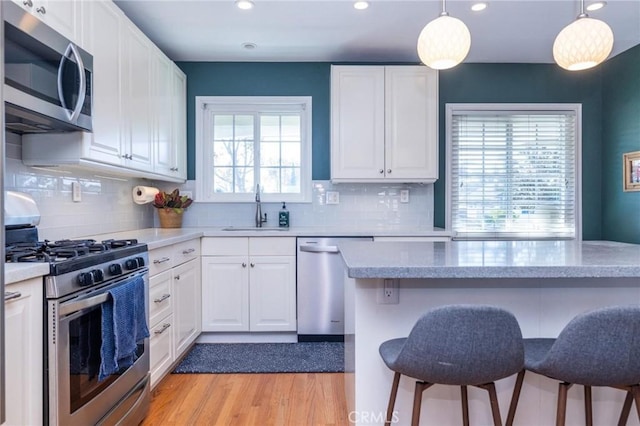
(48, 79)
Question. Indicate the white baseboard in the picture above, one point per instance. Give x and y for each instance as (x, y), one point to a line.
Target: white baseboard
(247, 338)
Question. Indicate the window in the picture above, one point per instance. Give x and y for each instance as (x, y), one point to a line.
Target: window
(513, 171)
(242, 142)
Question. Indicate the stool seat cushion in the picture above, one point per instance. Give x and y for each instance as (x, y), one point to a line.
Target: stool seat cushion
(599, 348)
(458, 345)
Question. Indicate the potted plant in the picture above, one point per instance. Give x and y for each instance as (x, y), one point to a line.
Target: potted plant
(170, 207)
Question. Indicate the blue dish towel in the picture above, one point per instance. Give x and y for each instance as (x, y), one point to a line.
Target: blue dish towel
(124, 323)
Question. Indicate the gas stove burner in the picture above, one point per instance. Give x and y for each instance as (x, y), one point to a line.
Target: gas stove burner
(62, 250)
(26, 255)
(120, 243)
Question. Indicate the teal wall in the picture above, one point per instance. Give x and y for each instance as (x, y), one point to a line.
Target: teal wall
(533, 83)
(263, 79)
(621, 133)
(467, 83)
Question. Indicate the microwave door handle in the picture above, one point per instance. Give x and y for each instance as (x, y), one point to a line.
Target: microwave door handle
(71, 49)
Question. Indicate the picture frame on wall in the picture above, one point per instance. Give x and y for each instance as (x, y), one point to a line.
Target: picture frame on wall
(631, 171)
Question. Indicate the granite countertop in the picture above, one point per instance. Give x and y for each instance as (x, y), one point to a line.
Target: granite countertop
(154, 237)
(491, 259)
(14, 272)
(311, 231)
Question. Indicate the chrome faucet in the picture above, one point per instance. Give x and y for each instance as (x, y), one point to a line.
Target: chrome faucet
(259, 218)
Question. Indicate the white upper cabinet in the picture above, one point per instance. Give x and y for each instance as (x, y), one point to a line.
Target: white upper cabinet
(384, 124)
(178, 143)
(61, 15)
(101, 36)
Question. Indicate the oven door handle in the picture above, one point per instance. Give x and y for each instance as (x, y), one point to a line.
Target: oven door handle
(66, 309)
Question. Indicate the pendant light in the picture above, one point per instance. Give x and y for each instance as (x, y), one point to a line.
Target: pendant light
(444, 42)
(583, 44)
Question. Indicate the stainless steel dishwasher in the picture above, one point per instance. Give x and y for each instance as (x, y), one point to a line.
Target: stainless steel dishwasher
(320, 288)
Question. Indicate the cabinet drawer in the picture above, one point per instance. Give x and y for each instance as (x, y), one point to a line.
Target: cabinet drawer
(160, 259)
(161, 344)
(184, 252)
(225, 246)
(272, 246)
(159, 297)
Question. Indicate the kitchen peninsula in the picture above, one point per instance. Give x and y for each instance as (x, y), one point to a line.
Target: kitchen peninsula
(543, 283)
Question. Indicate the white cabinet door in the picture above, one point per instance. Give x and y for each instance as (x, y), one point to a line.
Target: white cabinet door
(23, 354)
(61, 15)
(186, 305)
(136, 94)
(179, 121)
(357, 122)
(101, 35)
(160, 349)
(161, 103)
(225, 293)
(411, 117)
(272, 293)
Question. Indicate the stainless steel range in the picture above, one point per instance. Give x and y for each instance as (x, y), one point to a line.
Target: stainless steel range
(87, 381)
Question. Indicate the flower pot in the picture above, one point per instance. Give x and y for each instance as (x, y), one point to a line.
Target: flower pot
(169, 218)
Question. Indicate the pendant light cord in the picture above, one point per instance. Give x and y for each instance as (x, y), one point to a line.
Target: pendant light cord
(582, 14)
(444, 9)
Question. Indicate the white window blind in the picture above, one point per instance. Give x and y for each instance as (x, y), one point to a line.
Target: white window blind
(513, 173)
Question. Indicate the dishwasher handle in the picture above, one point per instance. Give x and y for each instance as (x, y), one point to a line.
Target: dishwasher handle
(320, 249)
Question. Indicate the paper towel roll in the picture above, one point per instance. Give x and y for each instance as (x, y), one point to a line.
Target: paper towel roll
(144, 194)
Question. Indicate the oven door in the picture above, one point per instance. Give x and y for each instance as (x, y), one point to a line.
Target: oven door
(76, 396)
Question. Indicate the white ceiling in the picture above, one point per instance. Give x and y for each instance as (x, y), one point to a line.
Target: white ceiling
(508, 31)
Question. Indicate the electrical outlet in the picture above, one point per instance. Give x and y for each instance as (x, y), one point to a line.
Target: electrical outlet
(333, 197)
(389, 292)
(76, 192)
(404, 195)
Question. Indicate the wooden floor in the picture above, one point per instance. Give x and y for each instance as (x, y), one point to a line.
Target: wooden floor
(249, 399)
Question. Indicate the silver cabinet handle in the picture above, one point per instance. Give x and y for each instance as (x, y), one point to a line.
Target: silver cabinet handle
(163, 329)
(389, 171)
(162, 299)
(187, 251)
(253, 265)
(381, 171)
(28, 3)
(8, 295)
(161, 260)
(320, 249)
(42, 11)
(244, 265)
(177, 278)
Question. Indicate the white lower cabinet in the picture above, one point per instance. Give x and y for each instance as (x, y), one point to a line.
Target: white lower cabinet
(23, 353)
(248, 284)
(174, 304)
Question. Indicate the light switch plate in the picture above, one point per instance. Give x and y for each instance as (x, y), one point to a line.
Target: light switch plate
(76, 192)
(404, 195)
(333, 197)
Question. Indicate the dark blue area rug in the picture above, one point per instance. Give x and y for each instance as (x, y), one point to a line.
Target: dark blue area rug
(303, 357)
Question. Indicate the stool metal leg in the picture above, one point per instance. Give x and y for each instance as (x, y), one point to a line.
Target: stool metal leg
(561, 413)
(588, 407)
(392, 398)
(465, 405)
(493, 398)
(514, 398)
(417, 401)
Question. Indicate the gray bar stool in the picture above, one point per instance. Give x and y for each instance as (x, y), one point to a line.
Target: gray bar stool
(461, 345)
(597, 348)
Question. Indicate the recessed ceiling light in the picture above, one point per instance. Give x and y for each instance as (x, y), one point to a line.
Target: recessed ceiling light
(244, 4)
(249, 46)
(597, 5)
(361, 5)
(477, 7)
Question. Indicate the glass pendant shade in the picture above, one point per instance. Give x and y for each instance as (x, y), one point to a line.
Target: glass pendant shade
(444, 42)
(583, 44)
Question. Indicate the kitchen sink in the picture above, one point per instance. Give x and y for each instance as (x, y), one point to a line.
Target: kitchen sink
(254, 228)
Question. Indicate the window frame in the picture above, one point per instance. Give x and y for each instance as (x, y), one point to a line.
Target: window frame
(452, 109)
(253, 104)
